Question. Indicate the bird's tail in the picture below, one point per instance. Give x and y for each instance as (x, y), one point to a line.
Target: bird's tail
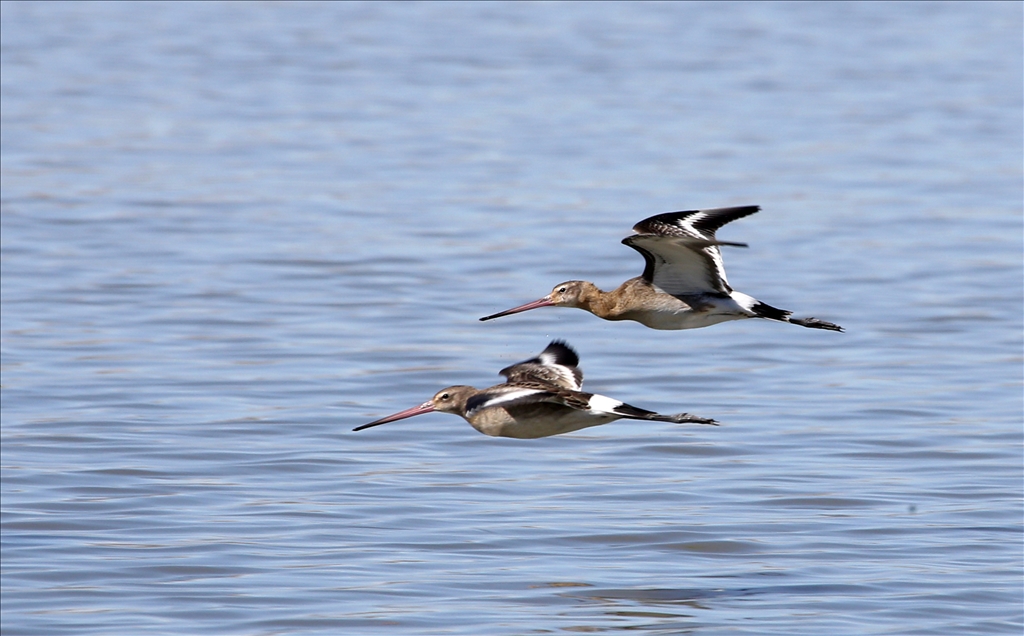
(763, 310)
(635, 413)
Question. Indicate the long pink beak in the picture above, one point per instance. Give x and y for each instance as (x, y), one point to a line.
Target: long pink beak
(543, 302)
(426, 407)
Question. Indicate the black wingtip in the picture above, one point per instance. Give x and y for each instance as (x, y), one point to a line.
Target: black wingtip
(557, 353)
(561, 353)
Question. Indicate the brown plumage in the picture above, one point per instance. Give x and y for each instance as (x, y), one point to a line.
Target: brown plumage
(683, 285)
(542, 397)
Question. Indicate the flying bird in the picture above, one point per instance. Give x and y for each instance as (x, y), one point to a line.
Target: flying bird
(683, 285)
(541, 397)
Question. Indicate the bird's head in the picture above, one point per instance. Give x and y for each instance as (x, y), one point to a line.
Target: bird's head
(571, 293)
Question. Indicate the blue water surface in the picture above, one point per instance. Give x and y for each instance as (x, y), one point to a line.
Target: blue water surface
(232, 232)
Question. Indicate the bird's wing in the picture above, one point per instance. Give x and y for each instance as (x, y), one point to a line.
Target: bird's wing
(681, 252)
(555, 366)
(698, 224)
(510, 395)
(530, 394)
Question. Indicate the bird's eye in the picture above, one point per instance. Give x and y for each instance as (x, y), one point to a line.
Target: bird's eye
(562, 290)
(445, 396)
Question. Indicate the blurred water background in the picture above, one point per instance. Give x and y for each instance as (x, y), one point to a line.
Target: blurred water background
(231, 232)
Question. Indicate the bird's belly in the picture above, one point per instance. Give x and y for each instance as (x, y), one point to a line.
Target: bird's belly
(671, 313)
(542, 420)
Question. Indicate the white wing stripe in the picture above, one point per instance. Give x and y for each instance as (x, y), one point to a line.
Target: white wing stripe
(687, 224)
(509, 396)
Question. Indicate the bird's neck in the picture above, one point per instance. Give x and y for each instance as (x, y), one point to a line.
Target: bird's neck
(607, 305)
